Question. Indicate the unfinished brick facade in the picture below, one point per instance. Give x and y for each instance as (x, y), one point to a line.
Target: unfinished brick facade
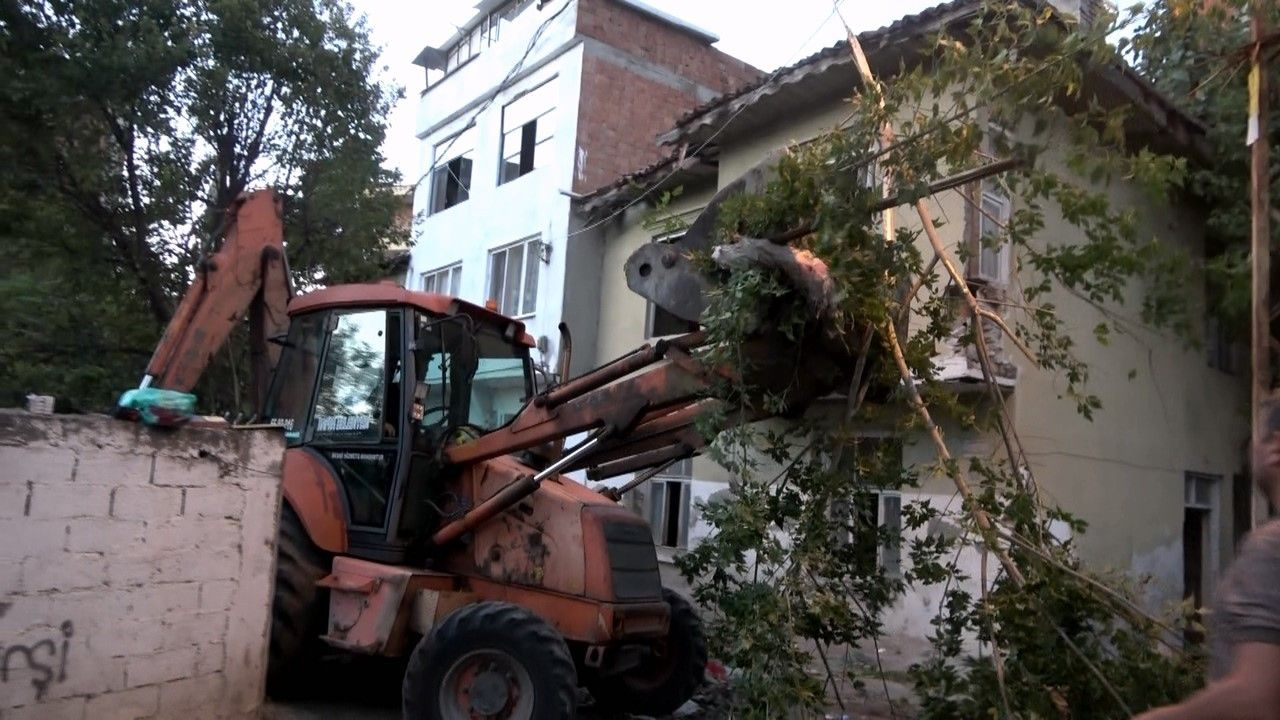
(135, 581)
(641, 77)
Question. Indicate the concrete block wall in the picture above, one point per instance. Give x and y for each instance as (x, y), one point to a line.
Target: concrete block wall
(136, 568)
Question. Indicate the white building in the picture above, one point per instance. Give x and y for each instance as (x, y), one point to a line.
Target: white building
(531, 103)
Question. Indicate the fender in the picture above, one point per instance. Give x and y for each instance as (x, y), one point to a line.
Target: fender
(312, 491)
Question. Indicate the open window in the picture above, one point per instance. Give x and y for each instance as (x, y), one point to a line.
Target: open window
(871, 518)
(987, 214)
(451, 170)
(527, 129)
(669, 504)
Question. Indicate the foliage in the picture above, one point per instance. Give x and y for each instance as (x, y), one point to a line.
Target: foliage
(127, 129)
(786, 572)
(1199, 58)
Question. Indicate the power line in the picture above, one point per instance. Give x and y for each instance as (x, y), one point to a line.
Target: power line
(505, 84)
(675, 168)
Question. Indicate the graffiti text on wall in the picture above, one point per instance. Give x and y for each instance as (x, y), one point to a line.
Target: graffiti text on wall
(34, 656)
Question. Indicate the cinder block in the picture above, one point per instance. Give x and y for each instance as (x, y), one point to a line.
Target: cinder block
(40, 464)
(70, 500)
(191, 693)
(211, 659)
(160, 667)
(104, 535)
(199, 629)
(171, 471)
(127, 637)
(218, 501)
(210, 534)
(86, 671)
(146, 502)
(15, 498)
(65, 572)
(131, 570)
(216, 595)
(157, 600)
(114, 467)
(26, 537)
(65, 709)
(142, 702)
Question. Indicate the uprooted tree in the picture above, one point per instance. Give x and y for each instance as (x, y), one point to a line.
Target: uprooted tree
(783, 585)
(127, 128)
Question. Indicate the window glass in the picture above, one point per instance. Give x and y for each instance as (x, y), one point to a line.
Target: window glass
(444, 281)
(349, 403)
(513, 278)
(479, 379)
(451, 170)
(527, 128)
(295, 375)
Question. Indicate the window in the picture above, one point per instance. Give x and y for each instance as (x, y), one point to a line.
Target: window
(349, 402)
(474, 377)
(295, 375)
(987, 215)
(443, 281)
(1224, 352)
(659, 322)
(451, 170)
(669, 504)
(1199, 542)
(358, 409)
(872, 518)
(513, 277)
(992, 252)
(526, 132)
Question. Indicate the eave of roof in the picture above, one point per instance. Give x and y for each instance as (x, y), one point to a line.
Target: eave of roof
(669, 172)
(832, 70)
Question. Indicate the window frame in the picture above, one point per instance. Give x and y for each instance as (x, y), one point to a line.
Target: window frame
(545, 90)
(678, 474)
(977, 194)
(530, 247)
(453, 277)
(459, 146)
(888, 556)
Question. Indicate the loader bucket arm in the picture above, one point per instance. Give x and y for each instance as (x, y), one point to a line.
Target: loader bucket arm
(249, 274)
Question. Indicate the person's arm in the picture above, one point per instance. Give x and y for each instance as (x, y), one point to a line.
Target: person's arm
(1251, 691)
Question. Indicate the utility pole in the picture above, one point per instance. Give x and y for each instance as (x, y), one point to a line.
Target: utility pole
(1261, 210)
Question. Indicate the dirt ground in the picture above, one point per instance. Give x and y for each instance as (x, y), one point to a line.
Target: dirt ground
(360, 689)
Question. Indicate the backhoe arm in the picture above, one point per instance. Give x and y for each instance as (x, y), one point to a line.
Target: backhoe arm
(249, 274)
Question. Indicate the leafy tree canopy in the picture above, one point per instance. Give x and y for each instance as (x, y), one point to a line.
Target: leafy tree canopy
(128, 126)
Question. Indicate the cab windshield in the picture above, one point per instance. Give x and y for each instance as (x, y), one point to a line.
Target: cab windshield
(472, 375)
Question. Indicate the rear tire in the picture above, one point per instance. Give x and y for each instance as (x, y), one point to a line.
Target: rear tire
(666, 679)
(299, 607)
(495, 659)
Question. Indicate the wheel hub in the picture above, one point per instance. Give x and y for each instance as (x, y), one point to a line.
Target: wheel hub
(486, 684)
(489, 693)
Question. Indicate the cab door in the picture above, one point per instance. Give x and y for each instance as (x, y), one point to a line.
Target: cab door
(358, 418)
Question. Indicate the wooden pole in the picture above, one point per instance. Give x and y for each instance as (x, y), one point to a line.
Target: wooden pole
(1261, 242)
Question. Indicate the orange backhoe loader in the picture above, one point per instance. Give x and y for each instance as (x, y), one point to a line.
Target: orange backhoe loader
(425, 509)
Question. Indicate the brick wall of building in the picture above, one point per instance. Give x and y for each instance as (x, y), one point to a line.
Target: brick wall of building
(136, 568)
(652, 40)
(654, 74)
(620, 115)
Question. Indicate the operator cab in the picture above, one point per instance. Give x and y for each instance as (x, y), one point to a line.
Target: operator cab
(341, 391)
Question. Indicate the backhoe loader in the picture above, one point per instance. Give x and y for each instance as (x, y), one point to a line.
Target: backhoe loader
(426, 512)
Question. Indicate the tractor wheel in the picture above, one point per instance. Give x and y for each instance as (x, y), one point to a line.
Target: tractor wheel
(491, 660)
(668, 676)
(299, 608)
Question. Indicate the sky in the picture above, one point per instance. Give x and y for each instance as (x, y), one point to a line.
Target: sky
(765, 33)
